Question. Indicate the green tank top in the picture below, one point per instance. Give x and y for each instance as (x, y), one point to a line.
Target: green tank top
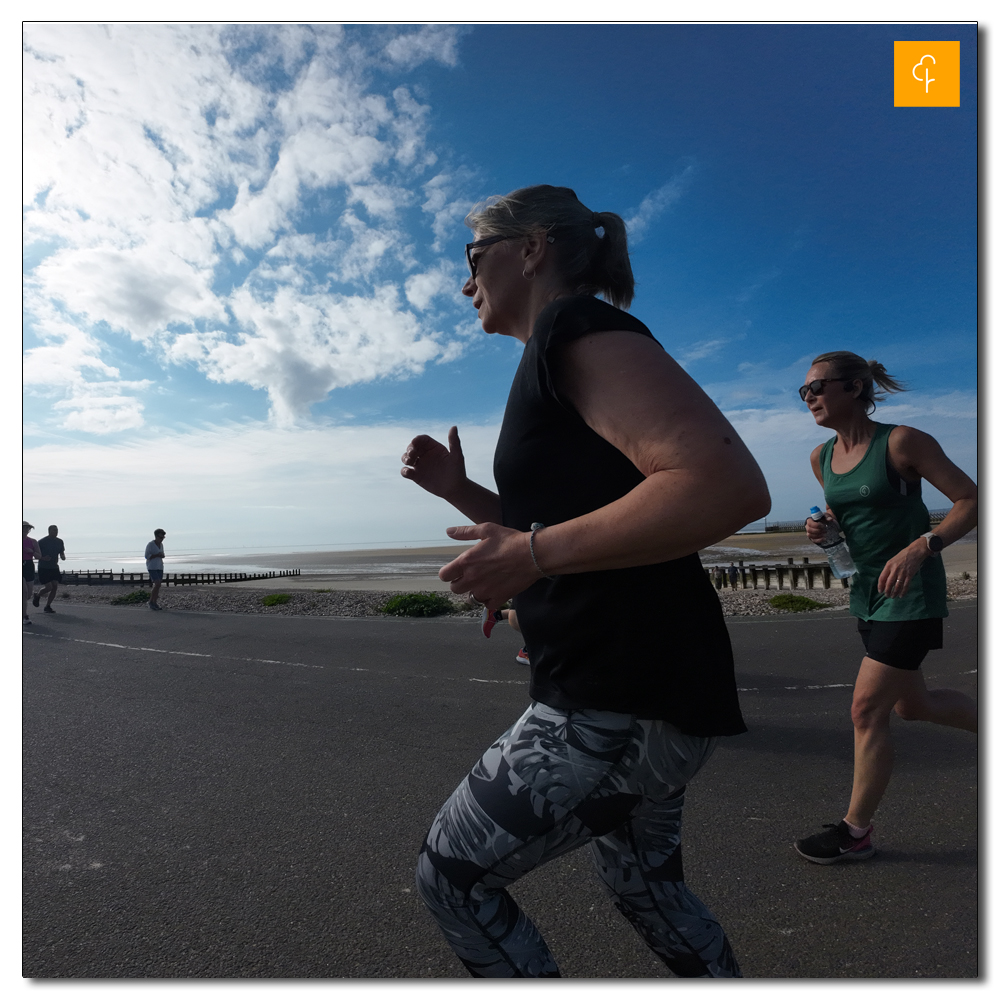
(879, 519)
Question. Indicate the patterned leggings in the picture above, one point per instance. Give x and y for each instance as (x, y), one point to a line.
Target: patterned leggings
(553, 782)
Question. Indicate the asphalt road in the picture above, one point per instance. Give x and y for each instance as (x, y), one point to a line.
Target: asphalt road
(232, 796)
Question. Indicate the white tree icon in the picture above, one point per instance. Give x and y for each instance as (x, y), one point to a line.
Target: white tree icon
(926, 79)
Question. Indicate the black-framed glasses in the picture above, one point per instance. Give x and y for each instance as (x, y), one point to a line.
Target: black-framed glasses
(474, 261)
(816, 386)
(489, 241)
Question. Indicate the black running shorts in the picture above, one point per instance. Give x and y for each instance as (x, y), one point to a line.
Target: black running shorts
(901, 644)
(46, 574)
(28, 570)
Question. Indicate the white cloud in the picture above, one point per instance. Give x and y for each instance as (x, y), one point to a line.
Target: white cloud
(657, 202)
(422, 289)
(437, 42)
(160, 157)
(902, 408)
(98, 414)
(300, 346)
(446, 202)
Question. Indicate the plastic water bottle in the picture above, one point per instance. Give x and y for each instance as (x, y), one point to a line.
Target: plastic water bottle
(834, 546)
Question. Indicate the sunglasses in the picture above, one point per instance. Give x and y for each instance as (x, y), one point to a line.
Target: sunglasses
(816, 386)
(489, 241)
(474, 261)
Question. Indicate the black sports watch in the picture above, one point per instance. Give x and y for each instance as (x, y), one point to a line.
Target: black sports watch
(933, 543)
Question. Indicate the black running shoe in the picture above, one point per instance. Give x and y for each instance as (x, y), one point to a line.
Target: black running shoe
(836, 844)
(48, 610)
(35, 598)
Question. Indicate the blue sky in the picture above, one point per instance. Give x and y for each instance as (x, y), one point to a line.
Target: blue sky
(244, 250)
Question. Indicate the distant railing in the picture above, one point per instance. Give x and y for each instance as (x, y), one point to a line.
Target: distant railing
(97, 577)
(803, 575)
(937, 516)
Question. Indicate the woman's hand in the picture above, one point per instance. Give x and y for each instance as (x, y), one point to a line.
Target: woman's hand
(496, 569)
(894, 580)
(816, 530)
(431, 465)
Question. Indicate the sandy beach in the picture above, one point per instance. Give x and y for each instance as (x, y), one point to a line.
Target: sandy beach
(416, 569)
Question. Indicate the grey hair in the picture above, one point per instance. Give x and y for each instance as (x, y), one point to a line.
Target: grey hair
(847, 365)
(591, 264)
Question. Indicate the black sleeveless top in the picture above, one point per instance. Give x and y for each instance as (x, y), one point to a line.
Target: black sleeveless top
(648, 641)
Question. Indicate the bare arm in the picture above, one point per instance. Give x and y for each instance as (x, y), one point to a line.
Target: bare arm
(816, 532)
(441, 470)
(701, 484)
(918, 455)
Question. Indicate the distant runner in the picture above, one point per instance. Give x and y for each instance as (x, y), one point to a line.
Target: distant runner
(154, 566)
(52, 550)
(29, 553)
(870, 474)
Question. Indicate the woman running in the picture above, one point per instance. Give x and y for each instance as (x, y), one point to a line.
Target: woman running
(614, 469)
(871, 473)
(29, 553)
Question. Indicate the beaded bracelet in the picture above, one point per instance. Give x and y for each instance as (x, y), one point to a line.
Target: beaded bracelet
(535, 526)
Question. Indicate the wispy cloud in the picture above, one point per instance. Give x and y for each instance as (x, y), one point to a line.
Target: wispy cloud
(657, 202)
(699, 351)
(167, 173)
(746, 293)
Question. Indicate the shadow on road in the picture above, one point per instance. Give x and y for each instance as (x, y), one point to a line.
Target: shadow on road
(961, 857)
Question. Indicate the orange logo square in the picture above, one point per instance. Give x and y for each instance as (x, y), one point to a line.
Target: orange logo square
(925, 75)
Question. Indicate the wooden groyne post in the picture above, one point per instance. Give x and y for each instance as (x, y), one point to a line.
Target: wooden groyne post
(809, 575)
(97, 577)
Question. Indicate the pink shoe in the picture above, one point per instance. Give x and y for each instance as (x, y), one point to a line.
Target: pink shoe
(490, 620)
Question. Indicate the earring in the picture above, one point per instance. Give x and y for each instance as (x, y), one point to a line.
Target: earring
(525, 274)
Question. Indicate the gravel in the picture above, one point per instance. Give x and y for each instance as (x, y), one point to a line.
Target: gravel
(368, 603)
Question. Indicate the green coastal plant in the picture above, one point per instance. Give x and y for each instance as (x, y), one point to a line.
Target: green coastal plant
(136, 597)
(795, 602)
(270, 600)
(422, 605)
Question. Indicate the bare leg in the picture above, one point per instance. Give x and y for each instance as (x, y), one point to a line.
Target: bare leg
(26, 588)
(942, 705)
(879, 689)
(155, 592)
(51, 587)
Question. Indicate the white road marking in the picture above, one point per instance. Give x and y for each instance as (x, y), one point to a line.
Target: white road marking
(366, 670)
(255, 659)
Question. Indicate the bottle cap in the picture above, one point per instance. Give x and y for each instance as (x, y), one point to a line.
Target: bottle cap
(814, 510)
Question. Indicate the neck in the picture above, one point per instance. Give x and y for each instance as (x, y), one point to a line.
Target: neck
(855, 431)
(540, 294)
